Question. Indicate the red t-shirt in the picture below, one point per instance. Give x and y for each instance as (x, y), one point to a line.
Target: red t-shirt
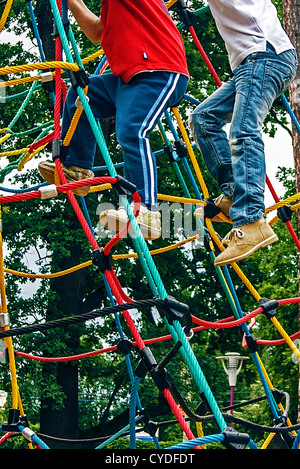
(140, 35)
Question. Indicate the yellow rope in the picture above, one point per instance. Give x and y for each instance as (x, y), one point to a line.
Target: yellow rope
(286, 337)
(21, 81)
(8, 340)
(88, 263)
(73, 124)
(5, 13)
(191, 153)
(242, 276)
(38, 66)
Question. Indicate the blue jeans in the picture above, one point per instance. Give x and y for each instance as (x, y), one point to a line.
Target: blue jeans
(237, 162)
(137, 106)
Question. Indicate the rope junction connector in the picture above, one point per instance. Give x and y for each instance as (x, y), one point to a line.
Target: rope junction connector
(181, 148)
(234, 439)
(171, 153)
(204, 407)
(150, 427)
(269, 307)
(66, 27)
(251, 342)
(210, 209)
(101, 260)
(173, 310)
(125, 346)
(79, 78)
(278, 395)
(285, 213)
(187, 15)
(161, 378)
(146, 364)
(56, 147)
(14, 421)
(122, 187)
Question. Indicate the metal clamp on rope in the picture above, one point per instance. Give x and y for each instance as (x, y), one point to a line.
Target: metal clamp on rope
(48, 191)
(47, 81)
(101, 260)
(4, 320)
(204, 407)
(269, 307)
(46, 76)
(150, 427)
(235, 440)
(28, 433)
(79, 104)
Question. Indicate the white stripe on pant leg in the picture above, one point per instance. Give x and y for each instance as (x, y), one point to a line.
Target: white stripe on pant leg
(149, 121)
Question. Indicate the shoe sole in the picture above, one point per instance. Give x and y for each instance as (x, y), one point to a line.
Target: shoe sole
(48, 175)
(116, 224)
(263, 244)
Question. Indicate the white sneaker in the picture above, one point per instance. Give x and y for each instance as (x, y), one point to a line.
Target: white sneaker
(149, 221)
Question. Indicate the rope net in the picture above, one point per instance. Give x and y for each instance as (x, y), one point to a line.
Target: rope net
(182, 325)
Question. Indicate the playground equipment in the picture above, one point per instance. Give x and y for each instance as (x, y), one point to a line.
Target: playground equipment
(177, 317)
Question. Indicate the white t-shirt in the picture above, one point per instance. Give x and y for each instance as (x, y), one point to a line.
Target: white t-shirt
(246, 26)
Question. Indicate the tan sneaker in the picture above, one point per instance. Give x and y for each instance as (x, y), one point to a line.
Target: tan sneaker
(72, 174)
(148, 220)
(244, 240)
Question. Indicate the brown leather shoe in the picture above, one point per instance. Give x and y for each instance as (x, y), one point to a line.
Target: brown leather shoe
(72, 174)
(244, 240)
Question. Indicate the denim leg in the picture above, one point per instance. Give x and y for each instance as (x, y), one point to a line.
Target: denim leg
(245, 100)
(140, 104)
(102, 91)
(207, 124)
(258, 82)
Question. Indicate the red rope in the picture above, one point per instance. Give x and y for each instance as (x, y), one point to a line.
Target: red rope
(288, 223)
(126, 314)
(204, 56)
(178, 415)
(124, 231)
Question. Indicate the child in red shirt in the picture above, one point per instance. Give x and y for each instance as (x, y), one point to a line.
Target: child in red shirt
(149, 75)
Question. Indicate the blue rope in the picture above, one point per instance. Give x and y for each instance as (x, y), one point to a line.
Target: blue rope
(35, 439)
(132, 412)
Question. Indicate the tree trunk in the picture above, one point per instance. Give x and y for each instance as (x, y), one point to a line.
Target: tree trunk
(56, 419)
(291, 19)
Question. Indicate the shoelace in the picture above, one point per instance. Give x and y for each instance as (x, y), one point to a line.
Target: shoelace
(235, 232)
